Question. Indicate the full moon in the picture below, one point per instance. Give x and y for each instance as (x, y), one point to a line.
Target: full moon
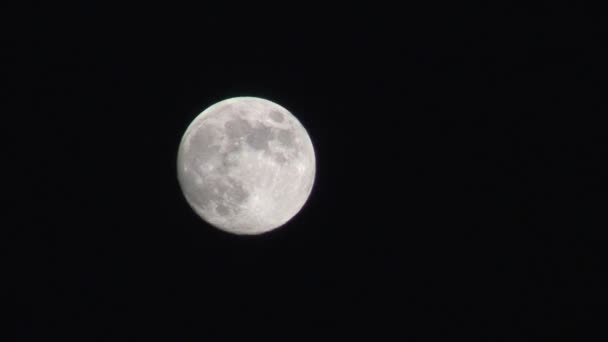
(246, 165)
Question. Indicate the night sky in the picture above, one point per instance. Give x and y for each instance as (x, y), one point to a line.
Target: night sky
(460, 162)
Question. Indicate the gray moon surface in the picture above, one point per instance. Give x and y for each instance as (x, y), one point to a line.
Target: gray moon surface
(246, 165)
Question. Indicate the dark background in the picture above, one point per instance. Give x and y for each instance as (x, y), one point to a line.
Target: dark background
(460, 163)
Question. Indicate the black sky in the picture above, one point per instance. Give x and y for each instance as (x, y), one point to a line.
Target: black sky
(460, 160)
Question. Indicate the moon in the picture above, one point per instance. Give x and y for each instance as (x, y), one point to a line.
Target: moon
(246, 165)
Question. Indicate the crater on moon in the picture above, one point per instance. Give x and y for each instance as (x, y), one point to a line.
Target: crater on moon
(246, 165)
(237, 128)
(276, 116)
(286, 137)
(259, 137)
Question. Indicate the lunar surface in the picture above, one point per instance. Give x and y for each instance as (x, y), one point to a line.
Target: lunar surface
(246, 165)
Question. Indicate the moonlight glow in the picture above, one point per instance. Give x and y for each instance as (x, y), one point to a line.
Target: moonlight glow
(246, 165)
